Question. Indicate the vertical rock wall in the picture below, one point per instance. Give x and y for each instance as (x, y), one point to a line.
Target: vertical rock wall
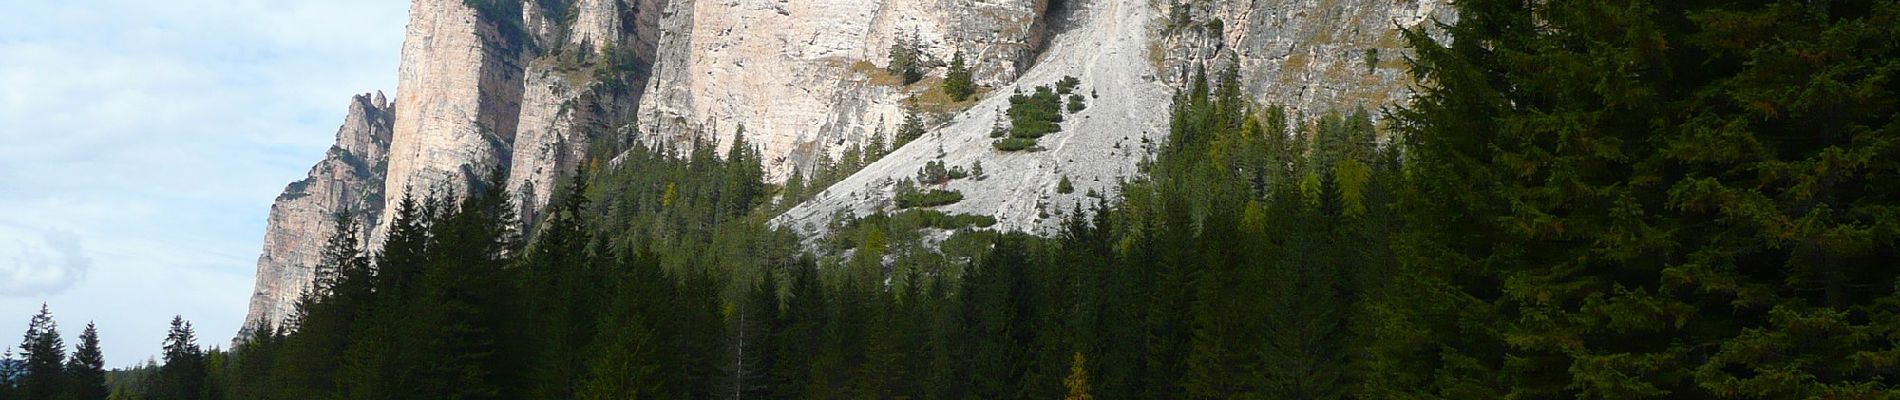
(475, 93)
(458, 101)
(794, 72)
(349, 180)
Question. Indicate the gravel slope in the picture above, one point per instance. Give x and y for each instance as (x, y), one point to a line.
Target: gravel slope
(1108, 47)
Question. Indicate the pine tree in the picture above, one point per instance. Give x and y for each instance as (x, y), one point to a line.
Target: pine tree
(85, 372)
(800, 341)
(42, 353)
(10, 372)
(794, 191)
(957, 81)
(183, 374)
(906, 61)
(257, 358)
(754, 350)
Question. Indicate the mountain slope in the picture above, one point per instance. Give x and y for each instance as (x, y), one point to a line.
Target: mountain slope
(1107, 47)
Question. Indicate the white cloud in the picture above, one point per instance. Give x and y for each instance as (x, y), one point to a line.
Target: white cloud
(47, 264)
(150, 137)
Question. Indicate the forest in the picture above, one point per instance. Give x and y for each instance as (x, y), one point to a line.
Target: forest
(1614, 199)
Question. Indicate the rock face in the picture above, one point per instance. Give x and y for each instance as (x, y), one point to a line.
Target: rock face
(1309, 56)
(349, 180)
(477, 93)
(795, 73)
(458, 102)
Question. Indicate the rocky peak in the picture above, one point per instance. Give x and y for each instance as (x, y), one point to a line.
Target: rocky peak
(349, 181)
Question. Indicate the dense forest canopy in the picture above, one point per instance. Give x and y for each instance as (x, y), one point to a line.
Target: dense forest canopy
(1610, 199)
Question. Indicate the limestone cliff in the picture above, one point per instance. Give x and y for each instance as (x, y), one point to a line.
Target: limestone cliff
(478, 92)
(458, 101)
(1311, 56)
(802, 76)
(349, 180)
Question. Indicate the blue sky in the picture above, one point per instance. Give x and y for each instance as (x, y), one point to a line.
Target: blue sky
(141, 144)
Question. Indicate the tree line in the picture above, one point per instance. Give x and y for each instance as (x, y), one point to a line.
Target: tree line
(1611, 199)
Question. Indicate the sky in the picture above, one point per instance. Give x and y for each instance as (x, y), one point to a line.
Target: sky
(142, 142)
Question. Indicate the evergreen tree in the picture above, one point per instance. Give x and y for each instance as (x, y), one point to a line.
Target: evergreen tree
(42, 353)
(183, 375)
(565, 291)
(1632, 199)
(799, 342)
(257, 358)
(85, 372)
(957, 81)
(328, 312)
(906, 60)
(755, 350)
(10, 373)
(1078, 380)
(794, 191)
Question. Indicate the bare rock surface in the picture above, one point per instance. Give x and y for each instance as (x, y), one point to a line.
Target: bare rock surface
(1311, 56)
(793, 73)
(349, 180)
(458, 99)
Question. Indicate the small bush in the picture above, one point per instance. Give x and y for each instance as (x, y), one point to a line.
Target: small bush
(1015, 144)
(1076, 103)
(1064, 186)
(932, 198)
(1067, 85)
(941, 220)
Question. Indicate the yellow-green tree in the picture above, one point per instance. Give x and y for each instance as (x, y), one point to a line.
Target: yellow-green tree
(1078, 380)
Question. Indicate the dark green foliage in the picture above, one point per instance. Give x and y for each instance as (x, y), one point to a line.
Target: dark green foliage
(42, 354)
(1034, 115)
(909, 196)
(934, 173)
(86, 370)
(183, 376)
(906, 60)
(1067, 85)
(1030, 117)
(1634, 199)
(957, 81)
(1015, 144)
(1077, 103)
(1372, 60)
(1064, 186)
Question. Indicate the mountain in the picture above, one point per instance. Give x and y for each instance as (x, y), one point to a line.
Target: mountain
(526, 87)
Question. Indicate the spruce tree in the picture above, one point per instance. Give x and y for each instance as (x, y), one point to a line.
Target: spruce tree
(43, 353)
(10, 372)
(85, 372)
(957, 82)
(183, 374)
